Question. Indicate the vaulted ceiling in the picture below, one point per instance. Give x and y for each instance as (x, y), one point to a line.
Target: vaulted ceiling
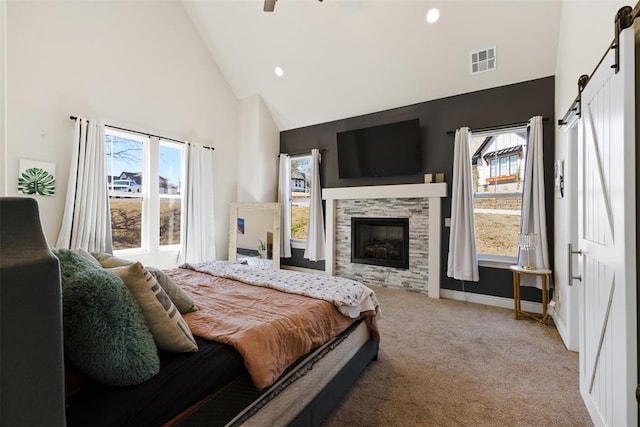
(342, 58)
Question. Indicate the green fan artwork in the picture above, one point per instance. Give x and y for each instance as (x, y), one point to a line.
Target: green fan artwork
(37, 181)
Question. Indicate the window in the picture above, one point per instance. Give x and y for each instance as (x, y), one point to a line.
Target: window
(143, 218)
(124, 178)
(300, 198)
(503, 166)
(170, 192)
(497, 162)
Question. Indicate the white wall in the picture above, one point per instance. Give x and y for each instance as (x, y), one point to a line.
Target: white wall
(3, 97)
(586, 30)
(139, 65)
(259, 145)
(269, 147)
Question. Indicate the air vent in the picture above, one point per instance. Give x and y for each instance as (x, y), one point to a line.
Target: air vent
(483, 60)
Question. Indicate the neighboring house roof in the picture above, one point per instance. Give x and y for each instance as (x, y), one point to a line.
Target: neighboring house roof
(508, 150)
(297, 175)
(478, 153)
(134, 176)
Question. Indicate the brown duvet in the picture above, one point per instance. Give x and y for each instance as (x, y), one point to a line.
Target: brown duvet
(269, 328)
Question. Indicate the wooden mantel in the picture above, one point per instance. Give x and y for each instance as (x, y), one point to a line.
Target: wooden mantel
(433, 192)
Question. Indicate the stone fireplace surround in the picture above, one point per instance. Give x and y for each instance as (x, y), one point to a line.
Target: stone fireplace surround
(421, 203)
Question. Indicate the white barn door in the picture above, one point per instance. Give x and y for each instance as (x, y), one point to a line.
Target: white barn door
(607, 239)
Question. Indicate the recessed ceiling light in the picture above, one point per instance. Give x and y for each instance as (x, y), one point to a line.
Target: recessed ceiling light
(433, 15)
(279, 71)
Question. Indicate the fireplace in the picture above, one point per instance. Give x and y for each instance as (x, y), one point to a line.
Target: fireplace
(380, 241)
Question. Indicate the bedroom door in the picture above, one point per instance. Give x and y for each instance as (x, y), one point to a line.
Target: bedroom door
(607, 239)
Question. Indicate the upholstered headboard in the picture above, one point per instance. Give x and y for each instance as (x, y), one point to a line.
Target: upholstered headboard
(31, 349)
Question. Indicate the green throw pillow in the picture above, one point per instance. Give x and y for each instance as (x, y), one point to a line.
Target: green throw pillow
(105, 334)
(71, 263)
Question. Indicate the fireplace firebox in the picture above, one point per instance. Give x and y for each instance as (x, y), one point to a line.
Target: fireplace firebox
(380, 241)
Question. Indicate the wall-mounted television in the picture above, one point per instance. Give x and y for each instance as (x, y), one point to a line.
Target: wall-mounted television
(392, 149)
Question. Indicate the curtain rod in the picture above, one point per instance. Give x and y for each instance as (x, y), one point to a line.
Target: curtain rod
(304, 153)
(498, 127)
(147, 134)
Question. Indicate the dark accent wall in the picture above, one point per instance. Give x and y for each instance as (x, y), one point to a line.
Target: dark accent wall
(491, 107)
(297, 260)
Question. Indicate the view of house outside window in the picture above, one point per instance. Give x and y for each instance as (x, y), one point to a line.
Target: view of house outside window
(300, 197)
(127, 155)
(497, 163)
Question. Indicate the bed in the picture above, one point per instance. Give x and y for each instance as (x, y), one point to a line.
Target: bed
(232, 379)
(41, 383)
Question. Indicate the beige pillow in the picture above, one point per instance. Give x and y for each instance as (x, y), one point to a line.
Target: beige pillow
(86, 255)
(110, 261)
(165, 322)
(178, 296)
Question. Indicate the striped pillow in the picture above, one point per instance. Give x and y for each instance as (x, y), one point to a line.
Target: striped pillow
(165, 322)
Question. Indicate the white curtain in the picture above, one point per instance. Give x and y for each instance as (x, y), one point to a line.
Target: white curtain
(198, 237)
(284, 198)
(86, 222)
(463, 260)
(314, 250)
(533, 206)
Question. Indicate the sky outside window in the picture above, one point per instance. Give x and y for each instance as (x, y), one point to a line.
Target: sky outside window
(124, 154)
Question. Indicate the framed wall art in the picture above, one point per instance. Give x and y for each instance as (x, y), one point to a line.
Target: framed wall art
(37, 178)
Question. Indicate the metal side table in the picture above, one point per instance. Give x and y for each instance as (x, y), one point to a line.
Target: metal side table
(544, 274)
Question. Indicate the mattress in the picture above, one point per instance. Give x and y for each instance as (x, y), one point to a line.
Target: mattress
(297, 388)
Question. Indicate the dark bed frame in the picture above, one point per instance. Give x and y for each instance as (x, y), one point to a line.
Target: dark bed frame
(329, 398)
(222, 408)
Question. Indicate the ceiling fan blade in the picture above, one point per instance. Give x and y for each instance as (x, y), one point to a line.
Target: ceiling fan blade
(269, 5)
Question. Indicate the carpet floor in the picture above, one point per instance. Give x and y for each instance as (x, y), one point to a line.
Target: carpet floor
(453, 363)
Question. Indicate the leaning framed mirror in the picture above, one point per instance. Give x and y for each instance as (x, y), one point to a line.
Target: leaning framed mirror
(254, 234)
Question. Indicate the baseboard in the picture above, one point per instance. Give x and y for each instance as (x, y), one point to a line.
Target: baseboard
(562, 329)
(528, 306)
